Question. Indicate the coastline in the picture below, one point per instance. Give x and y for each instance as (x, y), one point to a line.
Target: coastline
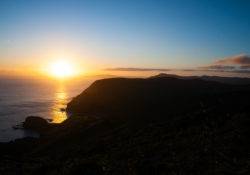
(160, 128)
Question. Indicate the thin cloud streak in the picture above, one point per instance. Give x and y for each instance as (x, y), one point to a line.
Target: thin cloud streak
(217, 67)
(234, 64)
(205, 68)
(137, 69)
(241, 59)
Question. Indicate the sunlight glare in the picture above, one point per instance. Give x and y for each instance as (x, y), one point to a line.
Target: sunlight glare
(62, 69)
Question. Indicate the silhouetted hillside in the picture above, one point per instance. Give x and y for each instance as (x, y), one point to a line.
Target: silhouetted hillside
(153, 96)
(158, 125)
(227, 80)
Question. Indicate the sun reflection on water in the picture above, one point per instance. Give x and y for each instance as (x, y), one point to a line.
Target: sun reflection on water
(58, 111)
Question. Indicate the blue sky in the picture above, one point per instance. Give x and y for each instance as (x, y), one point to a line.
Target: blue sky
(154, 34)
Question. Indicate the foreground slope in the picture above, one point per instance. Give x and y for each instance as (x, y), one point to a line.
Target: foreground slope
(159, 125)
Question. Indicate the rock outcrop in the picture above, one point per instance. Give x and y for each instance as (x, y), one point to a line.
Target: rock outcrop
(36, 123)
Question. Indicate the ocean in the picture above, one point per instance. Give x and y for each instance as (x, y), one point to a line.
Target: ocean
(21, 97)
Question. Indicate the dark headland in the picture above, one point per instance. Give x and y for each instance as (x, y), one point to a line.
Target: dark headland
(159, 125)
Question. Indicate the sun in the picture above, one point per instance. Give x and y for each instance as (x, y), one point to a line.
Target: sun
(62, 69)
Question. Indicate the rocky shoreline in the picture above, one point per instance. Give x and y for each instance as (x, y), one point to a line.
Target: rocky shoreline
(161, 125)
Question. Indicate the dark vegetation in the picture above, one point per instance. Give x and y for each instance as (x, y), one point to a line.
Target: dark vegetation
(159, 125)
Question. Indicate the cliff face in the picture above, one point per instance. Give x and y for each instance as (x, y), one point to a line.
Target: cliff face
(160, 125)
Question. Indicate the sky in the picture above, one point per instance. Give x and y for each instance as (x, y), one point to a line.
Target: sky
(115, 34)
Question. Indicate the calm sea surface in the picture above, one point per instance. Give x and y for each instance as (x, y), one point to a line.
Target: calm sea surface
(20, 98)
